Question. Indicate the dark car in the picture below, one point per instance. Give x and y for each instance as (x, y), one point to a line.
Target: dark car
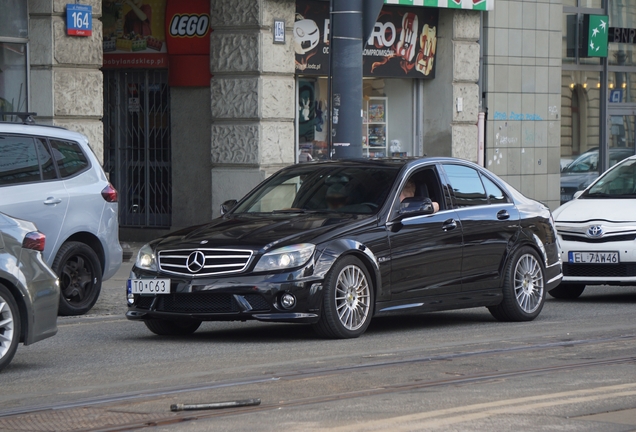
(331, 244)
(29, 290)
(583, 170)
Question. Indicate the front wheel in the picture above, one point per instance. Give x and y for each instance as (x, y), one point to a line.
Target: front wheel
(523, 288)
(80, 273)
(567, 291)
(347, 300)
(172, 328)
(9, 327)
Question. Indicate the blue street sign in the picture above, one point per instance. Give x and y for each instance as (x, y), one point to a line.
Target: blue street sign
(79, 20)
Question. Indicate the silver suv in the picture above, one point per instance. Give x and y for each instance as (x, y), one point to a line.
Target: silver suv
(50, 176)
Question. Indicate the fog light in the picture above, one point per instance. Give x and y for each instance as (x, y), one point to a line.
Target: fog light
(131, 299)
(287, 301)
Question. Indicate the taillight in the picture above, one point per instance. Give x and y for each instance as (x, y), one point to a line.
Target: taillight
(34, 240)
(110, 193)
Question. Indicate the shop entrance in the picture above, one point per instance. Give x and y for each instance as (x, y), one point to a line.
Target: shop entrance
(137, 145)
(621, 133)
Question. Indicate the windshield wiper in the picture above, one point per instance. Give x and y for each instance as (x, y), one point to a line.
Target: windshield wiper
(294, 210)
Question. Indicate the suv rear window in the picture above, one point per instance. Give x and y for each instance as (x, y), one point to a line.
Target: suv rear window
(69, 157)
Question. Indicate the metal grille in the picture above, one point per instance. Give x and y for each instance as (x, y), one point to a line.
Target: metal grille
(217, 261)
(605, 239)
(137, 145)
(201, 303)
(599, 270)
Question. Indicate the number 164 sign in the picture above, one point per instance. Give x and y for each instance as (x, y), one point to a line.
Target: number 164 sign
(79, 20)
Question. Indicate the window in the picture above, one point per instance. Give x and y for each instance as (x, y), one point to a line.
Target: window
(18, 160)
(69, 157)
(467, 186)
(495, 194)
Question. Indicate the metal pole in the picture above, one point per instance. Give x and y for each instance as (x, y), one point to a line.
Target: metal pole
(346, 98)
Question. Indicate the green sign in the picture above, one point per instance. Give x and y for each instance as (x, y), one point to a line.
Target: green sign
(598, 30)
(453, 4)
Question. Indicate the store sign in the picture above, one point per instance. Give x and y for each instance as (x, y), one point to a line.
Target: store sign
(597, 26)
(482, 5)
(79, 20)
(622, 35)
(134, 37)
(402, 44)
(188, 40)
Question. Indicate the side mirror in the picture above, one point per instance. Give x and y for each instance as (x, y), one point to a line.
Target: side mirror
(227, 206)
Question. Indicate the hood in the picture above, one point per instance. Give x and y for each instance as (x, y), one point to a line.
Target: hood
(261, 231)
(590, 209)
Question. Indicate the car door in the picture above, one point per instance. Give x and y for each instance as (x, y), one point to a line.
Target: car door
(489, 219)
(30, 188)
(426, 250)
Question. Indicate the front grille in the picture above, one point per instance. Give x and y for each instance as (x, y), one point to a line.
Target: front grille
(216, 261)
(201, 303)
(599, 270)
(606, 239)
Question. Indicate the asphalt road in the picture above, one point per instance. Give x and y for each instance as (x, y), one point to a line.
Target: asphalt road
(573, 368)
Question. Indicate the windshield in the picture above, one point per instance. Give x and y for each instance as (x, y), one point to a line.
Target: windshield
(307, 188)
(618, 182)
(587, 162)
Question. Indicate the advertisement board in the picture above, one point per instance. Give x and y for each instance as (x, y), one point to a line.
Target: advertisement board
(402, 44)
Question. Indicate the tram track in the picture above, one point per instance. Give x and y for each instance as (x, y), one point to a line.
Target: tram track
(113, 403)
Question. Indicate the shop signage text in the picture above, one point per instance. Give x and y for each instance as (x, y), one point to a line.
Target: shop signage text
(402, 44)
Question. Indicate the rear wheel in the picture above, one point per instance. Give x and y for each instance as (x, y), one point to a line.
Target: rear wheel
(523, 288)
(9, 327)
(567, 291)
(347, 300)
(172, 328)
(80, 273)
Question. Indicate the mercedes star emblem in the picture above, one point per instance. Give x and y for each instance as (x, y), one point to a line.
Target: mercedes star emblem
(195, 261)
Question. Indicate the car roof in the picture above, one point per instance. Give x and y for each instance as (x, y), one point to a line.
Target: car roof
(389, 161)
(41, 130)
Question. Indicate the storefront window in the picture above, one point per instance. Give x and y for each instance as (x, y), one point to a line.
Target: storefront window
(13, 59)
(387, 128)
(14, 20)
(580, 107)
(13, 78)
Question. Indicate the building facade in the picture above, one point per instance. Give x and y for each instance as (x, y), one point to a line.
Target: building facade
(191, 103)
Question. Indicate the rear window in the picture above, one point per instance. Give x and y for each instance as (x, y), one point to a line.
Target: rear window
(69, 157)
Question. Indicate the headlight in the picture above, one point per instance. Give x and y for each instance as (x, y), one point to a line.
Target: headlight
(146, 258)
(285, 257)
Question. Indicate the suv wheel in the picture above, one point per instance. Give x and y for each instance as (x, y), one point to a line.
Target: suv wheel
(80, 273)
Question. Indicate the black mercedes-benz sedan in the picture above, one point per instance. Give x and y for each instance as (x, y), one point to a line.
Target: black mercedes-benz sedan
(334, 243)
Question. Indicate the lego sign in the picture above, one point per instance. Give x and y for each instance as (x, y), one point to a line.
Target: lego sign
(188, 40)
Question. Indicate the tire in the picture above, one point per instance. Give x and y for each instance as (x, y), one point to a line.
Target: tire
(172, 328)
(567, 291)
(523, 288)
(80, 273)
(9, 327)
(347, 304)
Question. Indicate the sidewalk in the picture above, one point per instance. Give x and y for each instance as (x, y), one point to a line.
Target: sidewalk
(112, 299)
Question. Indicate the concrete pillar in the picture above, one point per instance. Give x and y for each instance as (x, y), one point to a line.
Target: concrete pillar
(66, 80)
(252, 95)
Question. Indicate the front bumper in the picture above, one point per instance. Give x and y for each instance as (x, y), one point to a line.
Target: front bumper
(232, 298)
(621, 273)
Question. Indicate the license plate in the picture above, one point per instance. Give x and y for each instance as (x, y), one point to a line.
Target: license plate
(149, 286)
(593, 257)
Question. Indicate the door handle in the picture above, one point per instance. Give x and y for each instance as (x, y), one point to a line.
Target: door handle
(52, 201)
(503, 215)
(448, 225)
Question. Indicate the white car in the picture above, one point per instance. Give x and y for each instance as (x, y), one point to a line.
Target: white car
(51, 177)
(597, 233)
